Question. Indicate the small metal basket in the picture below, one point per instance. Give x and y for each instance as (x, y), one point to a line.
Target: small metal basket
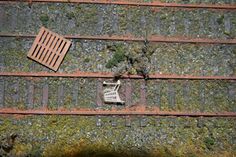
(111, 94)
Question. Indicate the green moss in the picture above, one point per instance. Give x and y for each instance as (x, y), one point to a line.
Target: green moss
(227, 33)
(87, 17)
(44, 18)
(118, 56)
(220, 19)
(70, 15)
(209, 142)
(15, 59)
(86, 60)
(79, 136)
(122, 13)
(22, 149)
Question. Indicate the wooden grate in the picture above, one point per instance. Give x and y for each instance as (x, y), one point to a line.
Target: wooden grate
(49, 49)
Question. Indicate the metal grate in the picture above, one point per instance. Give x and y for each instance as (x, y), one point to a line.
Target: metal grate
(49, 49)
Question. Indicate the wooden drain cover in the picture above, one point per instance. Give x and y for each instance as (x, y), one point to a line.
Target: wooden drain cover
(49, 49)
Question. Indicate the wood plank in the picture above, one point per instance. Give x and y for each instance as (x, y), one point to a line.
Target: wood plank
(57, 53)
(75, 92)
(99, 92)
(36, 41)
(50, 57)
(62, 55)
(30, 95)
(143, 92)
(50, 43)
(48, 38)
(45, 60)
(128, 90)
(39, 45)
(2, 91)
(45, 95)
(60, 95)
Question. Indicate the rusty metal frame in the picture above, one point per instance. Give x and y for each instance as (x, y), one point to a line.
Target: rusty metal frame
(80, 74)
(132, 3)
(114, 112)
(164, 39)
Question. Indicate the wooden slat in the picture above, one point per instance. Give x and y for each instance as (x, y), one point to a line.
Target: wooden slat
(45, 95)
(75, 92)
(2, 91)
(143, 92)
(128, 92)
(30, 95)
(40, 47)
(49, 49)
(60, 95)
(35, 42)
(56, 52)
(99, 101)
(62, 55)
(52, 54)
(52, 48)
(47, 41)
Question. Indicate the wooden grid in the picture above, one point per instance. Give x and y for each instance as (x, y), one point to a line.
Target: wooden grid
(49, 49)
